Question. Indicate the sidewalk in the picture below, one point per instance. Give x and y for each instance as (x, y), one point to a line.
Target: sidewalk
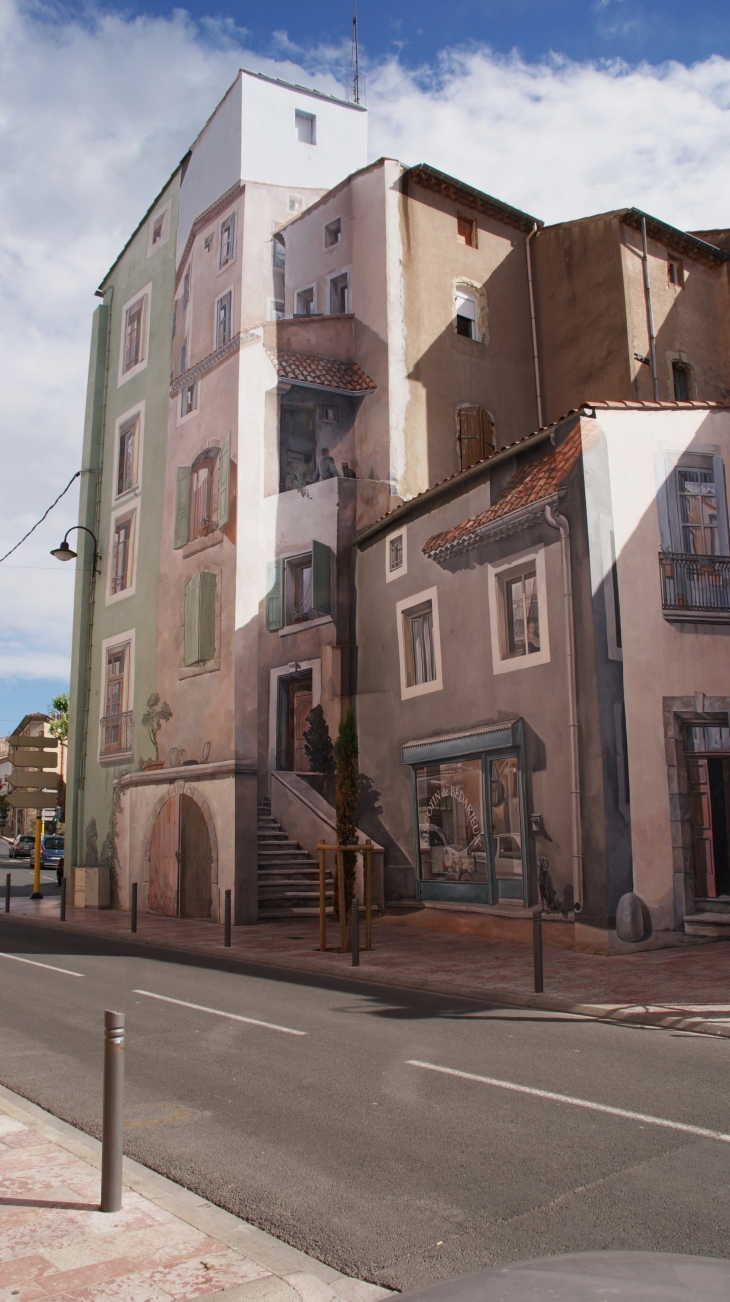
(166, 1243)
(685, 988)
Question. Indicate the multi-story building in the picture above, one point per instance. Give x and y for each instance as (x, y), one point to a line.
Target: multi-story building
(345, 337)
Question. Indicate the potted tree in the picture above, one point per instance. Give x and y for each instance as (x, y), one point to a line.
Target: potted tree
(155, 715)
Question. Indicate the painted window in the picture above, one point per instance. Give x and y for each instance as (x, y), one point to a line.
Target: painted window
(466, 232)
(134, 334)
(203, 493)
(158, 229)
(339, 294)
(189, 398)
(419, 645)
(208, 243)
(121, 574)
(306, 302)
(698, 520)
(306, 127)
(186, 290)
(299, 588)
(200, 618)
(223, 320)
(474, 434)
(278, 251)
(128, 455)
(328, 413)
(228, 230)
(295, 203)
(466, 313)
(333, 233)
(183, 358)
(201, 520)
(395, 553)
(522, 615)
(518, 613)
(116, 724)
(682, 377)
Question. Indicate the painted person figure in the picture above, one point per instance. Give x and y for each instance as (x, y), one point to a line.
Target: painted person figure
(326, 468)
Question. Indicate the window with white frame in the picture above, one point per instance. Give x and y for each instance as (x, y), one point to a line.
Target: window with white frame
(129, 430)
(692, 503)
(306, 127)
(223, 322)
(333, 233)
(121, 560)
(419, 644)
(208, 243)
(159, 232)
(188, 399)
(305, 301)
(396, 555)
(295, 203)
(466, 312)
(299, 588)
(339, 293)
(116, 724)
(518, 612)
(228, 229)
(135, 334)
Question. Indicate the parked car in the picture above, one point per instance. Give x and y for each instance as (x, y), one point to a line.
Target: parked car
(51, 851)
(22, 847)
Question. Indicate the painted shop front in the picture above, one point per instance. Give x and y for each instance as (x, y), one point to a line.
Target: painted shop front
(470, 816)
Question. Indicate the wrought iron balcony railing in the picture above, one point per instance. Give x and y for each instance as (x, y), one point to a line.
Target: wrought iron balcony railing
(117, 734)
(695, 588)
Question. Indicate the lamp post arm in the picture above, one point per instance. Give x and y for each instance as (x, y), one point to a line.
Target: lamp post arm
(82, 528)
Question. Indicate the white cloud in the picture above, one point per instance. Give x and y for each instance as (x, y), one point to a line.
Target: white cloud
(94, 116)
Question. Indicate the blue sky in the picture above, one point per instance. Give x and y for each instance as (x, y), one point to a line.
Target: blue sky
(561, 107)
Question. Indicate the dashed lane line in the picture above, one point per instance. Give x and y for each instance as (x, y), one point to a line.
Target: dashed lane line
(218, 1012)
(34, 963)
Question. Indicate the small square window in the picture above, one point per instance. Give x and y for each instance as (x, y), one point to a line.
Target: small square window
(395, 553)
(328, 413)
(466, 231)
(333, 233)
(295, 203)
(339, 294)
(305, 302)
(158, 229)
(227, 240)
(223, 320)
(305, 124)
(208, 243)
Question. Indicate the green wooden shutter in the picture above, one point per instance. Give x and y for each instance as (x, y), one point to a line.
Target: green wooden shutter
(321, 566)
(224, 483)
(206, 621)
(182, 502)
(274, 595)
(192, 620)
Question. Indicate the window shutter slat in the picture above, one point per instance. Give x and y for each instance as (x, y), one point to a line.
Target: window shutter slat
(274, 595)
(321, 567)
(182, 503)
(224, 483)
(206, 618)
(192, 621)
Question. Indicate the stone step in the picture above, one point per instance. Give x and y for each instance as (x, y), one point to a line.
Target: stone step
(287, 912)
(271, 895)
(298, 870)
(707, 924)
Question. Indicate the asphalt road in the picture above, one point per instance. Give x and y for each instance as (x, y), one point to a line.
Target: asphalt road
(337, 1142)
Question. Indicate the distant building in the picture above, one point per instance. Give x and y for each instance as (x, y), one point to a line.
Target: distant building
(347, 338)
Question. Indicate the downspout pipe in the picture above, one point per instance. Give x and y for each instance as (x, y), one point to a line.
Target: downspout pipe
(558, 521)
(533, 323)
(649, 309)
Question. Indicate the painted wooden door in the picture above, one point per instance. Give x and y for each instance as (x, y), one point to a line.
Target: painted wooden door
(164, 846)
(702, 841)
(195, 861)
(300, 707)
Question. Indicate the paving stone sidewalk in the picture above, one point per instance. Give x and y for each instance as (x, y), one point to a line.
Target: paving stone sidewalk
(166, 1243)
(686, 988)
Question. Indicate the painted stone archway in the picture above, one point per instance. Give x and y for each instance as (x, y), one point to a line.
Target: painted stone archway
(180, 858)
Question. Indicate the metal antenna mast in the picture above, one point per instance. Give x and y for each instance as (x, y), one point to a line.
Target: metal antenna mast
(354, 62)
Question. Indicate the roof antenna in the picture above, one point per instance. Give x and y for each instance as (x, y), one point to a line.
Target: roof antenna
(354, 60)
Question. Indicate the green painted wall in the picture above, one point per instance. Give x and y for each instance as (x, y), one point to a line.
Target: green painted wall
(90, 782)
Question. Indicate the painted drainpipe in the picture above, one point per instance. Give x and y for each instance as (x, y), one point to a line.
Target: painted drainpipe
(533, 323)
(649, 309)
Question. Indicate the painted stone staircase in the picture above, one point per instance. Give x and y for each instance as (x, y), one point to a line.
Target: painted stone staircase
(288, 875)
(711, 919)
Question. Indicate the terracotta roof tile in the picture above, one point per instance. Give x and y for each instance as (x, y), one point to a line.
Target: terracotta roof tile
(533, 483)
(322, 372)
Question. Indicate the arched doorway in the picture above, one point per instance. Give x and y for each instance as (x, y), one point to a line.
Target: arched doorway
(180, 861)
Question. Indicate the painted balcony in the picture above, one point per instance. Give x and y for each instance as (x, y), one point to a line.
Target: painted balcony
(695, 589)
(117, 736)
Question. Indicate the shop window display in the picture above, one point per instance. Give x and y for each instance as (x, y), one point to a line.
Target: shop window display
(451, 821)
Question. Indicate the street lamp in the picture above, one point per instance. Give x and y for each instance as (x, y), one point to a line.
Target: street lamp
(65, 553)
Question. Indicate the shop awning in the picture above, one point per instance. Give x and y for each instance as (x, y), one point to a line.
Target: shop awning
(467, 741)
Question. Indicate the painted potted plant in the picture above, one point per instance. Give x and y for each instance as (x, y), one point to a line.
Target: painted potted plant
(155, 715)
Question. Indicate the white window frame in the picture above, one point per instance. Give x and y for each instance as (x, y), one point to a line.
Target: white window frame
(468, 290)
(402, 607)
(304, 289)
(114, 643)
(181, 419)
(309, 117)
(164, 213)
(218, 299)
(402, 569)
(146, 293)
(338, 243)
(343, 271)
(224, 222)
(293, 200)
(137, 410)
(497, 576)
(129, 507)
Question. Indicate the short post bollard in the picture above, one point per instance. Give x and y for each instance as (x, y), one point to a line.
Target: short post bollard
(134, 906)
(63, 899)
(227, 921)
(7, 892)
(537, 951)
(355, 932)
(112, 1132)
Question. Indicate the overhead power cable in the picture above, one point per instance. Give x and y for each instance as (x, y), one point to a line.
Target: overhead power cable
(45, 513)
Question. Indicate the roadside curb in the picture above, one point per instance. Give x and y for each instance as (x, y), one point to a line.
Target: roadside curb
(670, 1017)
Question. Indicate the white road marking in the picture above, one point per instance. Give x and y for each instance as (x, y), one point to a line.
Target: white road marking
(235, 1017)
(34, 963)
(701, 1131)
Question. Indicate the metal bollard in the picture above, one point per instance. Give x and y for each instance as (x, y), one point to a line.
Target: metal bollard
(7, 892)
(134, 906)
(112, 1132)
(355, 932)
(227, 923)
(63, 899)
(537, 952)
